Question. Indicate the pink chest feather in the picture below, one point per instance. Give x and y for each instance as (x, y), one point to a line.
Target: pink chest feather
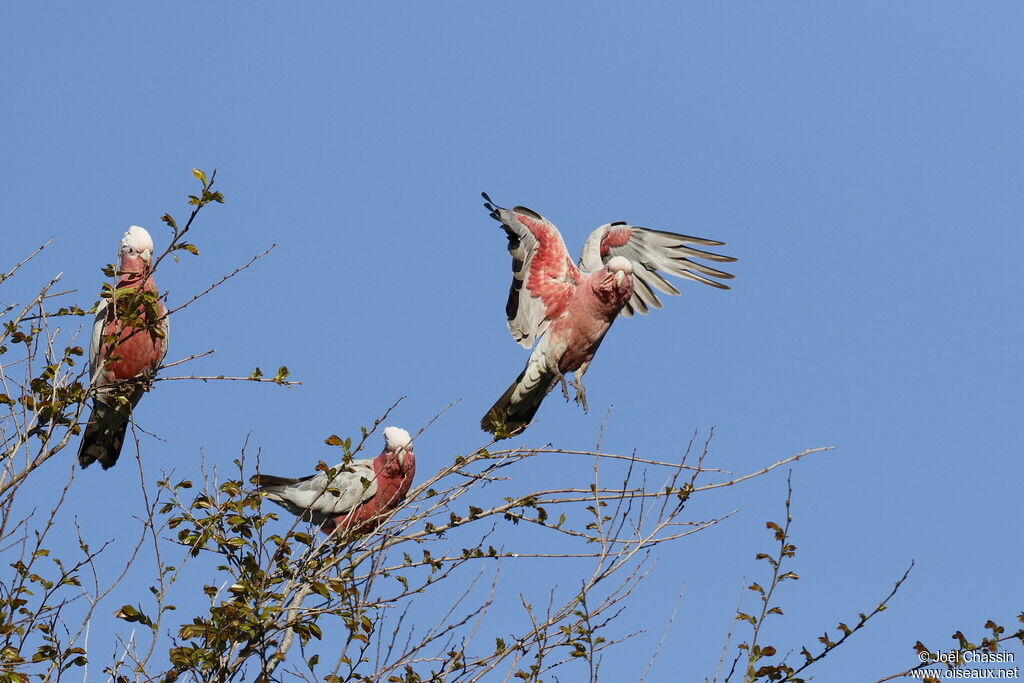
(138, 350)
(589, 316)
(393, 483)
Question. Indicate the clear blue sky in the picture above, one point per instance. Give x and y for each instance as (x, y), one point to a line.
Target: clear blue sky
(863, 161)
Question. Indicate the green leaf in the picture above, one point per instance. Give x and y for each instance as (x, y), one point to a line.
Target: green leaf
(200, 176)
(131, 614)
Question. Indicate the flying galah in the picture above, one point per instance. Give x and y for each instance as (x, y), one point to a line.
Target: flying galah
(358, 495)
(570, 308)
(123, 356)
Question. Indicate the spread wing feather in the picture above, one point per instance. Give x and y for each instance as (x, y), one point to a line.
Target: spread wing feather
(652, 251)
(543, 275)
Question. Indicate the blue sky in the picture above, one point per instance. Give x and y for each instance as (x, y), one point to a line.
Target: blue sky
(863, 161)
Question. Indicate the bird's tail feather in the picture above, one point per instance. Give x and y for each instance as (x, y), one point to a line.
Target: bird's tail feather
(507, 418)
(263, 481)
(104, 436)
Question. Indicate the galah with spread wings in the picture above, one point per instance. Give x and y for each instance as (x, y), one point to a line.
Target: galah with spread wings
(359, 494)
(570, 307)
(128, 344)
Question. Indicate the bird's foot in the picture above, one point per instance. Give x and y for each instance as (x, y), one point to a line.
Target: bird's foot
(565, 389)
(581, 393)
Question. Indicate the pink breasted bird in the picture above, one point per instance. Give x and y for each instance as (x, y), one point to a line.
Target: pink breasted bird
(357, 497)
(570, 307)
(136, 355)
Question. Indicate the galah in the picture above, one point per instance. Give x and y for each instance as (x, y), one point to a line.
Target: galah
(129, 342)
(358, 495)
(570, 307)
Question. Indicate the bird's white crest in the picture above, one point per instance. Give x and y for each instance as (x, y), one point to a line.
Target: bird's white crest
(620, 263)
(138, 239)
(395, 438)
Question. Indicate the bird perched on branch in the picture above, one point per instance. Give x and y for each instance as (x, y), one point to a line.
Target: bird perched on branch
(129, 342)
(570, 307)
(352, 497)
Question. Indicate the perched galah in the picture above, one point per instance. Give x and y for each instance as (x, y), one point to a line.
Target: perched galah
(358, 495)
(570, 308)
(121, 370)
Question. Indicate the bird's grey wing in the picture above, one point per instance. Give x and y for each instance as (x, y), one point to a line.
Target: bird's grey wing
(96, 340)
(320, 494)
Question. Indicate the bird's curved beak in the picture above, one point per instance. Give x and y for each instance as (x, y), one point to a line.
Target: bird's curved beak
(619, 277)
(146, 256)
